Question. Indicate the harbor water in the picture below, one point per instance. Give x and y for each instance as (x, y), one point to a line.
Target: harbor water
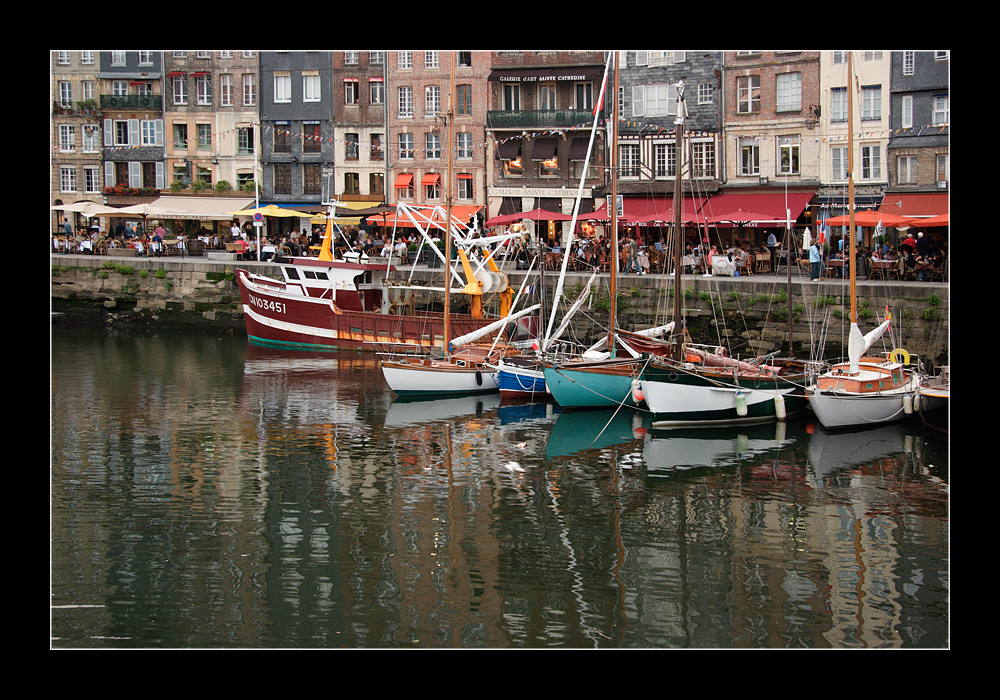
(207, 493)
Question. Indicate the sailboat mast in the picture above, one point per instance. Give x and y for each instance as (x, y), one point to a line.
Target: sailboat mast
(850, 179)
(613, 282)
(678, 206)
(446, 327)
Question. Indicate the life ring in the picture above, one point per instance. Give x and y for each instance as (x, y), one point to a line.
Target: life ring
(900, 355)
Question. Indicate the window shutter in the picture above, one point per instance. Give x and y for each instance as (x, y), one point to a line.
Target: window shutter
(109, 174)
(158, 129)
(108, 133)
(638, 101)
(159, 175)
(133, 132)
(135, 174)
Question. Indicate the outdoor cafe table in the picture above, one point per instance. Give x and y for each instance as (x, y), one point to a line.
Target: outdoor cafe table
(836, 265)
(884, 268)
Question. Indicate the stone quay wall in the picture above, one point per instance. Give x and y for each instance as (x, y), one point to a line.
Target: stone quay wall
(748, 314)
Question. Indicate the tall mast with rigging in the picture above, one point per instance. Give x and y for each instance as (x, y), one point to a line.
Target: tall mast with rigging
(678, 331)
(446, 329)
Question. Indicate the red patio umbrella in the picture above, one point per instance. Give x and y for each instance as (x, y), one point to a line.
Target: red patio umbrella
(939, 220)
(740, 216)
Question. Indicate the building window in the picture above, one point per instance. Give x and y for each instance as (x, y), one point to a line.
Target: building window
(282, 144)
(463, 145)
(628, 160)
(940, 113)
(748, 94)
(909, 62)
(376, 152)
(376, 183)
(226, 90)
(871, 102)
(788, 155)
(204, 135)
(352, 146)
(511, 98)
(906, 170)
(432, 101)
(204, 86)
(148, 129)
(654, 100)
(282, 178)
(906, 112)
(464, 59)
(404, 60)
(749, 157)
(547, 96)
(376, 92)
(311, 141)
(352, 183)
(351, 58)
(706, 93)
(871, 162)
(312, 178)
(350, 92)
(179, 90)
(405, 94)
(406, 146)
(91, 178)
(789, 92)
(432, 188)
(838, 105)
(838, 163)
(432, 141)
(90, 138)
(67, 178)
(703, 153)
(282, 87)
(432, 59)
(249, 90)
(664, 160)
(463, 100)
(465, 185)
(244, 140)
(311, 91)
(585, 96)
(67, 137)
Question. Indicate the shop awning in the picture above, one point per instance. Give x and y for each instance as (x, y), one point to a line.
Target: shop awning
(578, 150)
(543, 149)
(403, 181)
(509, 149)
(916, 205)
(460, 212)
(215, 208)
(430, 179)
(648, 210)
(768, 207)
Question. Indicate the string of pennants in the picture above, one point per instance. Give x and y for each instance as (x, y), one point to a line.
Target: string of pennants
(658, 129)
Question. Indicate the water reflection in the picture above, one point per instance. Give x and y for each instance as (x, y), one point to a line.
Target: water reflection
(208, 493)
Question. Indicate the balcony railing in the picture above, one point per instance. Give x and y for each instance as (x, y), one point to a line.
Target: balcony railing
(539, 119)
(131, 101)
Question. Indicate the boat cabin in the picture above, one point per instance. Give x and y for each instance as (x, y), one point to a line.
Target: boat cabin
(353, 286)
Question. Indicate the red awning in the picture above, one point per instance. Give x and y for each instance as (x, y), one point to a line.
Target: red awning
(430, 179)
(924, 204)
(768, 205)
(403, 181)
(646, 210)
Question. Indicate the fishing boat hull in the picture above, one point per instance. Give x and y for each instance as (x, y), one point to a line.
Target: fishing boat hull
(592, 384)
(879, 392)
(428, 377)
(688, 396)
(279, 314)
(521, 382)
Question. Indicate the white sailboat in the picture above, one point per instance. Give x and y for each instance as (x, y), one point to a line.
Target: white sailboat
(461, 368)
(862, 391)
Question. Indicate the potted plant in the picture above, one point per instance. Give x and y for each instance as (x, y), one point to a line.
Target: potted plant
(412, 253)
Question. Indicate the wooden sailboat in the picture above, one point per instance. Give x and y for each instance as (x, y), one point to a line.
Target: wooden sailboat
(699, 385)
(462, 366)
(599, 379)
(862, 391)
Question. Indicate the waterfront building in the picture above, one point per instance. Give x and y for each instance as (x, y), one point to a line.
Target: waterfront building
(131, 104)
(919, 142)
(871, 132)
(75, 164)
(297, 149)
(541, 114)
(647, 110)
(210, 114)
(417, 87)
(771, 104)
(359, 126)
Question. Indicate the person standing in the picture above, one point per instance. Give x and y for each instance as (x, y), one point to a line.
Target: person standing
(815, 262)
(772, 247)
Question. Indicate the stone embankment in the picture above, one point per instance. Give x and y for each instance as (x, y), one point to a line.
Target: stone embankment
(749, 314)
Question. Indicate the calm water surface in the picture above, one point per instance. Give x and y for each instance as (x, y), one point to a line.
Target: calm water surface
(206, 493)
